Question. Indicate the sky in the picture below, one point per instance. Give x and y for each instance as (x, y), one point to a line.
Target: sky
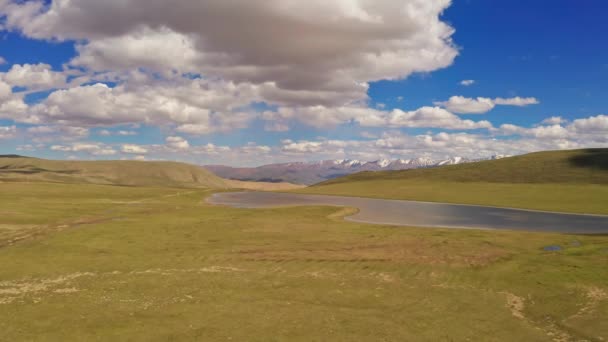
(253, 82)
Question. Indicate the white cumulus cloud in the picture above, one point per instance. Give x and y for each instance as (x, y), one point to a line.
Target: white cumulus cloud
(516, 101)
(467, 83)
(96, 149)
(482, 105)
(195, 106)
(34, 77)
(554, 120)
(340, 44)
(8, 132)
(424, 117)
(594, 124)
(133, 149)
(5, 91)
(177, 143)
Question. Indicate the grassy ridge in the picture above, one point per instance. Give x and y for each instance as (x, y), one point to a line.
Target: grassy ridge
(125, 173)
(157, 264)
(588, 166)
(570, 181)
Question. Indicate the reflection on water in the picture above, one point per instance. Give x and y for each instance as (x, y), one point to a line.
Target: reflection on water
(422, 214)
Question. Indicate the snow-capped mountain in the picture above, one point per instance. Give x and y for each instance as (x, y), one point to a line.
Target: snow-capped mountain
(314, 172)
(452, 161)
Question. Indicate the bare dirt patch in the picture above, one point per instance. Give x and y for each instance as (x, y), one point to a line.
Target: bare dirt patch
(13, 290)
(516, 305)
(210, 269)
(594, 296)
(384, 277)
(9, 228)
(66, 290)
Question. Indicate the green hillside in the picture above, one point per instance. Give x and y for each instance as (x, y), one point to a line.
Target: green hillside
(574, 181)
(115, 172)
(588, 166)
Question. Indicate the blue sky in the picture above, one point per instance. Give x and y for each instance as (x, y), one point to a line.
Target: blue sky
(551, 50)
(306, 81)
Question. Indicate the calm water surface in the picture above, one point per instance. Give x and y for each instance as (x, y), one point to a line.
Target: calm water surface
(423, 214)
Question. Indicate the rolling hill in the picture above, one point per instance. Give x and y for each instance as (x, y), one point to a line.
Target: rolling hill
(575, 166)
(572, 181)
(125, 173)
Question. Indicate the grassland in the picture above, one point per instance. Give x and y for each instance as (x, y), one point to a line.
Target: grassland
(262, 186)
(570, 181)
(14, 168)
(84, 262)
(110, 172)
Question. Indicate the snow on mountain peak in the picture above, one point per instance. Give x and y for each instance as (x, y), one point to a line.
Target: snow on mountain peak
(394, 164)
(383, 162)
(311, 172)
(347, 162)
(423, 161)
(451, 161)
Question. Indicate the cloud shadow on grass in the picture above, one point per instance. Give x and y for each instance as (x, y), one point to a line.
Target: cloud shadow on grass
(591, 158)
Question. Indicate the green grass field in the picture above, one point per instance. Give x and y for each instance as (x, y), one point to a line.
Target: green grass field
(570, 181)
(91, 262)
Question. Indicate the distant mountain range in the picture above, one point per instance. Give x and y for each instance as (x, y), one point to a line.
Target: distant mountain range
(314, 172)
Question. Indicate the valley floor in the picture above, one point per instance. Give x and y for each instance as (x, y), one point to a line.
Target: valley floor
(82, 262)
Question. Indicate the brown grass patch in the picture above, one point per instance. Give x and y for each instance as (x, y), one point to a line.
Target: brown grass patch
(410, 252)
(263, 186)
